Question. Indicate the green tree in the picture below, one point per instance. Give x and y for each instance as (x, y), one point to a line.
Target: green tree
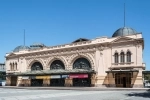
(147, 77)
(2, 75)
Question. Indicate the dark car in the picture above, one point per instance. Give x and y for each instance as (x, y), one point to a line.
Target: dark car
(0, 83)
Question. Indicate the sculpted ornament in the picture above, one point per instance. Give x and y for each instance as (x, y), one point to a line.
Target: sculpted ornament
(66, 58)
(92, 53)
(44, 60)
(101, 48)
(35, 60)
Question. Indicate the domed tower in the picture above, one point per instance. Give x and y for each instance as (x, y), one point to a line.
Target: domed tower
(124, 31)
(21, 48)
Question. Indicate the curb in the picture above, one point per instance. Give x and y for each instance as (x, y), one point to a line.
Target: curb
(77, 88)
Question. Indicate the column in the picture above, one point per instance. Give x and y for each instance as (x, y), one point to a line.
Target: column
(46, 82)
(93, 80)
(68, 82)
(8, 81)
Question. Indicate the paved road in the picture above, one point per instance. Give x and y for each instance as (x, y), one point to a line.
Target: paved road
(27, 94)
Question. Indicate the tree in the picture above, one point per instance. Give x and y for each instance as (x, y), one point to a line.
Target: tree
(2, 75)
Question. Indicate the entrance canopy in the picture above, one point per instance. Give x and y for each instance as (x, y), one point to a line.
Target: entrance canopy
(123, 71)
(51, 72)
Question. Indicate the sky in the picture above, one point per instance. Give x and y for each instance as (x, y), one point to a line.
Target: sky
(55, 22)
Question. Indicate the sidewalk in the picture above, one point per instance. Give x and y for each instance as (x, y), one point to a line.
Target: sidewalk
(79, 88)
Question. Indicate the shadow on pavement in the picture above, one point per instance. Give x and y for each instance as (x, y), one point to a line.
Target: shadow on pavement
(145, 94)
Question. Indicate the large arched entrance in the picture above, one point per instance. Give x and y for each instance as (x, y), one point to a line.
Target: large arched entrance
(56, 80)
(82, 63)
(36, 66)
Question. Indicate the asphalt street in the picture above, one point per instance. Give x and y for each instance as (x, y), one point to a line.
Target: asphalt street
(31, 94)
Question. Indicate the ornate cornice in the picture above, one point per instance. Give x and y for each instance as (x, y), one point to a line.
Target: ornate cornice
(59, 54)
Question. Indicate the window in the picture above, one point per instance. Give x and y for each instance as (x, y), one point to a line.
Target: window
(122, 57)
(116, 58)
(128, 56)
(15, 66)
(11, 66)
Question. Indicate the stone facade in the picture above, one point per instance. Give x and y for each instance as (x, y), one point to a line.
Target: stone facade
(100, 52)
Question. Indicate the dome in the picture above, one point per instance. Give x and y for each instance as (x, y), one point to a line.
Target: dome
(20, 48)
(124, 31)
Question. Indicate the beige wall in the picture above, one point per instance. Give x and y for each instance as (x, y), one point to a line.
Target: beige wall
(98, 51)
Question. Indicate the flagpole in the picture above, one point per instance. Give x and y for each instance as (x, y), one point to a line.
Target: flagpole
(24, 37)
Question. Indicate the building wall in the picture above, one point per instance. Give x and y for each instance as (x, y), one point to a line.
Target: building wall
(99, 52)
(2, 67)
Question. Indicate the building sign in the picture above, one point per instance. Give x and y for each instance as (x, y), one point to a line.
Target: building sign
(55, 76)
(64, 76)
(42, 77)
(78, 76)
(25, 77)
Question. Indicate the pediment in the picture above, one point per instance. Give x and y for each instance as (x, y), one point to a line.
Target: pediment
(122, 39)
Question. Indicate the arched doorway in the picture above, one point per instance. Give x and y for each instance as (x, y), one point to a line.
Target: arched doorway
(57, 81)
(36, 66)
(82, 63)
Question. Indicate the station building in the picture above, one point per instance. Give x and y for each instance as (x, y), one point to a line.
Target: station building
(115, 61)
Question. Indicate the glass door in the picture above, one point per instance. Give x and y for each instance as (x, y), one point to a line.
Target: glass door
(123, 79)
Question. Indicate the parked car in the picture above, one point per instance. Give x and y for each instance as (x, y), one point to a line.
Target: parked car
(0, 83)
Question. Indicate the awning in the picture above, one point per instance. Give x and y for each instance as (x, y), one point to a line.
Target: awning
(146, 72)
(123, 71)
(51, 72)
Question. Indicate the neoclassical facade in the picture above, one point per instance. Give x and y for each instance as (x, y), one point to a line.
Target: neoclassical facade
(101, 62)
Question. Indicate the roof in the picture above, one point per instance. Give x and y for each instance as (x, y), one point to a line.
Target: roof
(146, 72)
(124, 31)
(80, 40)
(37, 45)
(114, 71)
(20, 48)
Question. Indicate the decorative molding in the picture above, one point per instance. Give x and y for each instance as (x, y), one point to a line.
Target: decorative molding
(31, 61)
(122, 39)
(79, 55)
(101, 48)
(51, 59)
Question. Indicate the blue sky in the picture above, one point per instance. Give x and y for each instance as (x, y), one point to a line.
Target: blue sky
(54, 22)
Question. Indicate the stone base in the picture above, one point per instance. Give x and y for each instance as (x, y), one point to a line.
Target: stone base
(138, 86)
(101, 85)
(7, 84)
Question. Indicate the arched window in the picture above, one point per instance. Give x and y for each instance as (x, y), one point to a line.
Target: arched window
(11, 66)
(122, 57)
(128, 56)
(116, 58)
(15, 66)
(36, 66)
(57, 64)
(81, 63)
